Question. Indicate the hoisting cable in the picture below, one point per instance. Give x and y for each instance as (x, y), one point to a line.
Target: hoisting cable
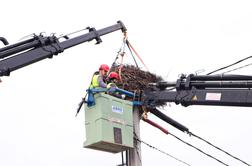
(229, 65)
(161, 151)
(132, 54)
(166, 132)
(130, 46)
(219, 148)
(121, 53)
(121, 50)
(120, 67)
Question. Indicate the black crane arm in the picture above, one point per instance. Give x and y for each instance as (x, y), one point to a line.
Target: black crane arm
(16, 56)
(221, 90)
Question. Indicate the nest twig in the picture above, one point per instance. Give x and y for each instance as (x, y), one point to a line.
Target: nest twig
(135, 79)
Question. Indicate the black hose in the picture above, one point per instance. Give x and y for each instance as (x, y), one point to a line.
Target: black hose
(5, 42)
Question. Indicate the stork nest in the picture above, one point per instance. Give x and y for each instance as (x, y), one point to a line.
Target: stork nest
(134, 79)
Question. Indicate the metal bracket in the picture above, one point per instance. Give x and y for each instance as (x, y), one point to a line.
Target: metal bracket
(97, 36)
(124, 29)
(188, 81)
(54, 40)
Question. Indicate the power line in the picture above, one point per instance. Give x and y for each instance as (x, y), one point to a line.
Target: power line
(237, 68)
(161, 151)
(230, 65)
(219, 149)
(184, 129)
(166, 132)
(198, 149)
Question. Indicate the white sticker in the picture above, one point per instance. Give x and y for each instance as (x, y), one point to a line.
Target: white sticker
(117, 109)
(213, 96)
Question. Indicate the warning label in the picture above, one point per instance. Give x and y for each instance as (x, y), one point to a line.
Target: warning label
(213, 96)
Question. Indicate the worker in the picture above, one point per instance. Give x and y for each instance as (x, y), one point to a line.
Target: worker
(98, 81)
(99, 77)
(112, 79)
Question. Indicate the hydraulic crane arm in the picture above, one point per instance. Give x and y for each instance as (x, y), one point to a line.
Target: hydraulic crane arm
(221, 90)
(39, 47)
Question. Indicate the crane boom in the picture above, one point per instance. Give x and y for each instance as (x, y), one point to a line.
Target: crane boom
(221, 90)
(24, 53)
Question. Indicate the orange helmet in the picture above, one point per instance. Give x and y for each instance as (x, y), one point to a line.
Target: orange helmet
(113, 75)
(104, 67)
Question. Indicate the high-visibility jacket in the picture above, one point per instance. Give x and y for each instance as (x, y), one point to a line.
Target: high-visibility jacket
(97, 82)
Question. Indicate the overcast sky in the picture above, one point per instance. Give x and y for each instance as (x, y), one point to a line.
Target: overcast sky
(38, 103)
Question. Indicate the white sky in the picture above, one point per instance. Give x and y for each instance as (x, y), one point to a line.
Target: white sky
(38, 102)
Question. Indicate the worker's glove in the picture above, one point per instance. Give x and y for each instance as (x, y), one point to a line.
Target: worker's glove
(111, 85)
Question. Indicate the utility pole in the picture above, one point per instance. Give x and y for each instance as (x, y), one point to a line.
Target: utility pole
(134, 156)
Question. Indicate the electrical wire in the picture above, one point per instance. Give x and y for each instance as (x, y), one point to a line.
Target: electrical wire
(137, 147)
(192, 134)
(138, 154)
(237, 68)
(166, 132)
(198, 149)
(153, 147)
(229, 65)
(219, 148)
